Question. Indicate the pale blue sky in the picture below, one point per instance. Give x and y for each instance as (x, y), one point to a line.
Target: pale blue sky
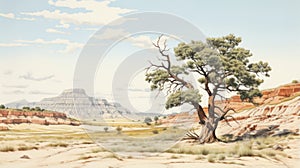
(41, 38)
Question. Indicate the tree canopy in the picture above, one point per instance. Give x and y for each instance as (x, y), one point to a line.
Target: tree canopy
(220, 64)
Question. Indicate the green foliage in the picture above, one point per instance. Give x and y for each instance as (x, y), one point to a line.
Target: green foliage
(181, 97)
(147, 120)
(119, 129)
(2, 106)
(105, 129)
(221, 64)
(295, 81)
(155, 132)
(26, 108)
(37, 109)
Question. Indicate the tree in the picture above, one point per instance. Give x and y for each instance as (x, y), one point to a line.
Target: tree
(26, 108)
(2, 106)
(105, 129)
(148, 120)
(219, 64)
(156, 119)
(119, 129)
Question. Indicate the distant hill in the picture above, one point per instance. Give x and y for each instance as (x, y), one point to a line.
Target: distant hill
(76, 103)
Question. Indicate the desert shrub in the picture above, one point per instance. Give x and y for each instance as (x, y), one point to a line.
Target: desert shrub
(26, 108)
(7, 149)
(119, 129)
(221, 157)
(295, 81)
(155, 131)
(147, 120)
(105, 129)
(211, 158)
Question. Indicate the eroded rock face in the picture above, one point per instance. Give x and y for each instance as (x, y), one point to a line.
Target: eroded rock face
(34, 117)
(76, 103)
(265, 120)
(277, 113)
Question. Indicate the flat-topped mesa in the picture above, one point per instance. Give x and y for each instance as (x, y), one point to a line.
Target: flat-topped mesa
(74, 90)
(76, 103)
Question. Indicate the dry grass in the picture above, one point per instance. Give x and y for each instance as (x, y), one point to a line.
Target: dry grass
(25, 148)
(7, 149)
(58, 144)
(261, 147)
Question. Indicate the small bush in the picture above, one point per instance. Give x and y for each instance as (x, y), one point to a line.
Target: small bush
(155, 131)
(26, 108)
(105, 129)
(211, 158)
(119, 129)
(221, 157)
(174, 157)
(295, 81)
(7, 149)
(200, 158)
(25, 148)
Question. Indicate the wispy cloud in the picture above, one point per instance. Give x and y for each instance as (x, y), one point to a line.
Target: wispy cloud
(29, 76)
(50, 30)
(8, 72)
(7, 15)
(12, 44)
(97, 13)
(63, 25)
(15, 86)
(14, 92)
(69, 46)
(37, 92)
(12, 16)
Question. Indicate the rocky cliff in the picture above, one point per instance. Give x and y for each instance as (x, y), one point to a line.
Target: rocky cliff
(276, 112)
(76, 103)
(11, 116)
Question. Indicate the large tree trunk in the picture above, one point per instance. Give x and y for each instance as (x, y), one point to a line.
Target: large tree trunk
(208, 131)
(201, 114)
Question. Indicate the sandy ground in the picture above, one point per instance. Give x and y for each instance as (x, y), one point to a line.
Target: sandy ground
(81, 152)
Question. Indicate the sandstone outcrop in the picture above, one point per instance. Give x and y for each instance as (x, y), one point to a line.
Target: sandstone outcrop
(277, 112)
(10, 116)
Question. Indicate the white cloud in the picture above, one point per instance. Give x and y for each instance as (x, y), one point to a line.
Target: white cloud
(12, 16)
(97, 13)
(142, 41)
(69, 46)
(7, 15)
(29, 76)
(12, 44)
(63, 25)
(50, 30)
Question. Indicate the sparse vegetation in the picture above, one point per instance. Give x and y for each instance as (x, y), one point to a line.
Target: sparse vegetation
(26, 108)
(155, 131)
(2, 106)
(221, 157)
(105, 129)
(211, 158)
(295, 81)
(261, 147)
(25, 148)
(59, 144)
(119, 129)
(7, 149)
(148, 120)
(174, 157)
